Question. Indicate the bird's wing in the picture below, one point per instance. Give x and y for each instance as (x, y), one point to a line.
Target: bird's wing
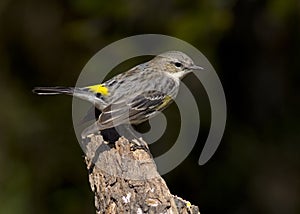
(134, 111)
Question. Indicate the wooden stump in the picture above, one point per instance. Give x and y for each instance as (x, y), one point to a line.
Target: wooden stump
(125, 180)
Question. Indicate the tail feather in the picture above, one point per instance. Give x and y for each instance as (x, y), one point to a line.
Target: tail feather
(80, 93)
(53, 90)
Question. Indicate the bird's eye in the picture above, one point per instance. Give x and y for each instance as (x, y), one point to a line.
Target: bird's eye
(178, 64)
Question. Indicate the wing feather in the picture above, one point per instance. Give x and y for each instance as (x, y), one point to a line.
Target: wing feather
(134, 111)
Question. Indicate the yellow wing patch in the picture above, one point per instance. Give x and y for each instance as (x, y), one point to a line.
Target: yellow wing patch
(167, 99)
(99, 89)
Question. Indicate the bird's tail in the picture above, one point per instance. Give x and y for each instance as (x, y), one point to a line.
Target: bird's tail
(53, 90)
(81, 93)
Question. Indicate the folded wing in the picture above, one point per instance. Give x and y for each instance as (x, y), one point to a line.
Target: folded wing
(134, 111)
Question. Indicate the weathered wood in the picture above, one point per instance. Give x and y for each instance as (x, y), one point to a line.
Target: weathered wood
(125, 180)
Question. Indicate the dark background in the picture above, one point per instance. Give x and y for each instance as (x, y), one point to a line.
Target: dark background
(254, 46)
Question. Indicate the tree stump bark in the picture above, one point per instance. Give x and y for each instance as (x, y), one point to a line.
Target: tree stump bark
(125, 180)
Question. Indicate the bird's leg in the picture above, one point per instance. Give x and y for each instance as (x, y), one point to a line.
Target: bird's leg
(128, 133)
(92, 129)
(122, 130)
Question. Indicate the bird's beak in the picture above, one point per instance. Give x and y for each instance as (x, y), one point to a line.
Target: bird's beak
(196, 67)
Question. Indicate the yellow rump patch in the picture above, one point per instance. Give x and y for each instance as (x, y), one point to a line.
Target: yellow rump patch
(99, 89)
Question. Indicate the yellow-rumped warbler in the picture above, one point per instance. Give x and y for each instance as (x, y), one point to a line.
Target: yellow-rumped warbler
(135, 95)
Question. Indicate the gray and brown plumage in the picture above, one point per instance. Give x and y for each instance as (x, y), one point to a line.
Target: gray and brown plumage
(135, 95)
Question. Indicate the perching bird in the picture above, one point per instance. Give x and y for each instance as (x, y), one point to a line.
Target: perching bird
(134, 96)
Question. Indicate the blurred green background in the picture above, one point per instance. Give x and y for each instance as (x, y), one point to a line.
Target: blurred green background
(253, 44)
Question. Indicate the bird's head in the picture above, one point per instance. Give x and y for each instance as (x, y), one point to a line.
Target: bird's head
(176, 63)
